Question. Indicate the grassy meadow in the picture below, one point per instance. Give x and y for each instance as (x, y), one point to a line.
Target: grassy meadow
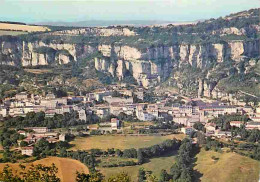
(230, 167)
(155, 165)
(119, 142)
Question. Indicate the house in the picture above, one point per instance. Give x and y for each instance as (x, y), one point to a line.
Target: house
(22, 132)
(27, 151)
(99, 96)
(221, 134)
(186, 130)
(38, 129)
(3, 112)
(236, 123)
(210, 128)
(50, 96)
(102, 111)
(90, 97)
(52, 140)
(116, 108)
(82, 115)
(62, 137)
(115, 123)
(139, 95)
(111, 99)
(144, 116)
(21, 96)
(253, 125)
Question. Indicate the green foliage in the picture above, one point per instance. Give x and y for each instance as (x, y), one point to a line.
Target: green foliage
(121, 177)
(41, 148)
(141, 175)
(182, 169)
(130, 153)
(198, 126)
(140, 156)
(39, 119)
(92, 177)
(24, 144)
(8, 137)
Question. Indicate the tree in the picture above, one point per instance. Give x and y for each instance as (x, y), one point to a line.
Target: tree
(141, 175)
(140, 156)
(23, 144)
(92, 177)
(121, 177)
(198, 126)
(164, 176)
(38, 173)
(201, 138)
(41, 147)
(130, 153)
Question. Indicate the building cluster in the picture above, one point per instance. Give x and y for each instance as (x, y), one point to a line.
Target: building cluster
(104, 102)
(34, 134)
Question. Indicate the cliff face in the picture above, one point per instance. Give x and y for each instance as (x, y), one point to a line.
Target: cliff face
(21, 53)
(155, 64)
(97, 32)
(148, 67)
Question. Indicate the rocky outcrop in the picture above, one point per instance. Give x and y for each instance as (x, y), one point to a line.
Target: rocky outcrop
(97, 31)
(148, 66)
(21, 53)
(146, 73)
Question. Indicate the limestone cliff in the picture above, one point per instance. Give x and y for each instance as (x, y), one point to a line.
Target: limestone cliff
(148, 66)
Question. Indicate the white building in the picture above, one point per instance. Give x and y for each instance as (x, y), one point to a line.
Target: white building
(62, 137)
(3, 112)
(82, 115)
(253, 125)
(38, 129)
(236, 123)
(144, 116)
(115, 123)
(27, 151)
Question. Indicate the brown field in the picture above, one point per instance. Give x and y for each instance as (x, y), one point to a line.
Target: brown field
(67, 167)
(119, 141)
(230, 167)
(23, 28)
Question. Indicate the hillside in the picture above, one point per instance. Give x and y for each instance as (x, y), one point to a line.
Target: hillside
(221, 54)
(229, 167)
(66, 167)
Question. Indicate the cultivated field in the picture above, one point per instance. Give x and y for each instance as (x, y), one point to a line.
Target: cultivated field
(155, 165)
(230, 167)
(119, 142)
(23, 28)
(67, 167)
(13, 33)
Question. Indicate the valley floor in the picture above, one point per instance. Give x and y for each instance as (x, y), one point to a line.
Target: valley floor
(119, 141)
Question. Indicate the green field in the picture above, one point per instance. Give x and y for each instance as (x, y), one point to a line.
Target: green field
(155, 165)
(14, 33)
(119, 142)
(230, 167)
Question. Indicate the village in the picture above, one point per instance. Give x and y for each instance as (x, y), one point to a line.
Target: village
(117, 100)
